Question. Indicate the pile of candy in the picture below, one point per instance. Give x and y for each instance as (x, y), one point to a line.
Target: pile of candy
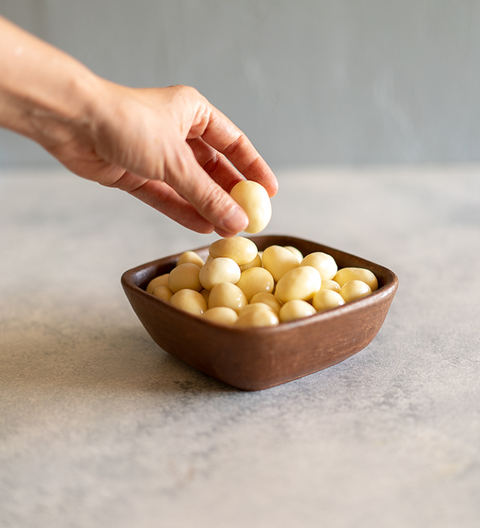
(238, 285)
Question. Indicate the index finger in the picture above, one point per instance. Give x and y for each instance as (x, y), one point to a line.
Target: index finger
(224, 136)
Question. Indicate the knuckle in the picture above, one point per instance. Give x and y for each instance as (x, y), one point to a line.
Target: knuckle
(235, 146)
(214, 199)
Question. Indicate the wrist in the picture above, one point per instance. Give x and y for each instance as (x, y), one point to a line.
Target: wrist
(44, 93)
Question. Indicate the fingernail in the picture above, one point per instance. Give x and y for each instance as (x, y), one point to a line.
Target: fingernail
(235, 220)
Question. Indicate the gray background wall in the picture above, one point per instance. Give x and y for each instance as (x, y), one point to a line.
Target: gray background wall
(326, 81)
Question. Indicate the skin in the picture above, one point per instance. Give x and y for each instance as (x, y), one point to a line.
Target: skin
(169, 146)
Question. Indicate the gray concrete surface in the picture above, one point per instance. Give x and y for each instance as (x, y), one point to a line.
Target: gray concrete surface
(100, 427)
(310, 81)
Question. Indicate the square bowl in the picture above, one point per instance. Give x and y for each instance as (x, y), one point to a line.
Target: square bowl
(262, 357)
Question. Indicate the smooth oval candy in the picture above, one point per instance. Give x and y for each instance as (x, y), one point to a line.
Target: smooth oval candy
(354, 289)
(278, 260)
(163, 292)
(268, 299)
(254, 307)
(227, 294)
(296, 252)
(255, 263)
(161, 280)
(330, 285)
(300, 283)
(254, 200)
(323, 262)
(295, 309)
(205, 294)
(190, 301)
(345, 275)
(190, 257)
(255, 280)
(263, 315)
(240, 249)
(326, 299)
(217, 270)
(184, 276)
(221, 315)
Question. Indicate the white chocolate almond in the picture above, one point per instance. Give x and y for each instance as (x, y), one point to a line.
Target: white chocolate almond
(354, 289)
(221, 315)
(295, 309)
(190, 301)
(323, 262)
(240, 249)
(184, 276)
(300, 283)
(163, 292)
(326, 299)
(345, 275)
(161, 280)
(278, 260)
(257, 315)
(254, 200)
(268, 299)
(227, 294)
(217, 270)
(255, 280)
(190, 257)
(330, 285)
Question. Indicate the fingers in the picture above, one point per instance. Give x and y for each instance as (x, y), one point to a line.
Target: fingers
(216, 165)
(221, 134)
(184, 174)
(161, 197)
(164, 199)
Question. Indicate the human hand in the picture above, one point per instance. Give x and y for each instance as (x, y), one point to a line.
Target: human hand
(167, 146)
(170, 148)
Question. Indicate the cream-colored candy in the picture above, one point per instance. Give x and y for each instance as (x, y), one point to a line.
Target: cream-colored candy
(227, 294)
(257, 315)
(161, 280)
(255, 263)
(184, 276)
(221, 315)
(255, 280)
(330, 285)
(190, 301)
(300, 283)
(278, 260)
(190, 257)
(326, 299)
(254, 200)
(345, 275)
(239, 249)
(163, 292)
(295, 309)
(217, 270)
(267, 298)
(205, 294)
(323, 262)
(254, 307)
(296, 252)
(354, 289)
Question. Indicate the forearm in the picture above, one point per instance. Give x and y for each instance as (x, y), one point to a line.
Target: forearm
(168, 146)
(43, 91)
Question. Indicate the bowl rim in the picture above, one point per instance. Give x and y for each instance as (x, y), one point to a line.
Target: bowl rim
(385, 290)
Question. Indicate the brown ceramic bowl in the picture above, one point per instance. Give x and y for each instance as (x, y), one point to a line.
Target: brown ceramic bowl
(258, 358)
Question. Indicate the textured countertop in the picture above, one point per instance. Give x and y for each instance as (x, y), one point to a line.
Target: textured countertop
(100, 427)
